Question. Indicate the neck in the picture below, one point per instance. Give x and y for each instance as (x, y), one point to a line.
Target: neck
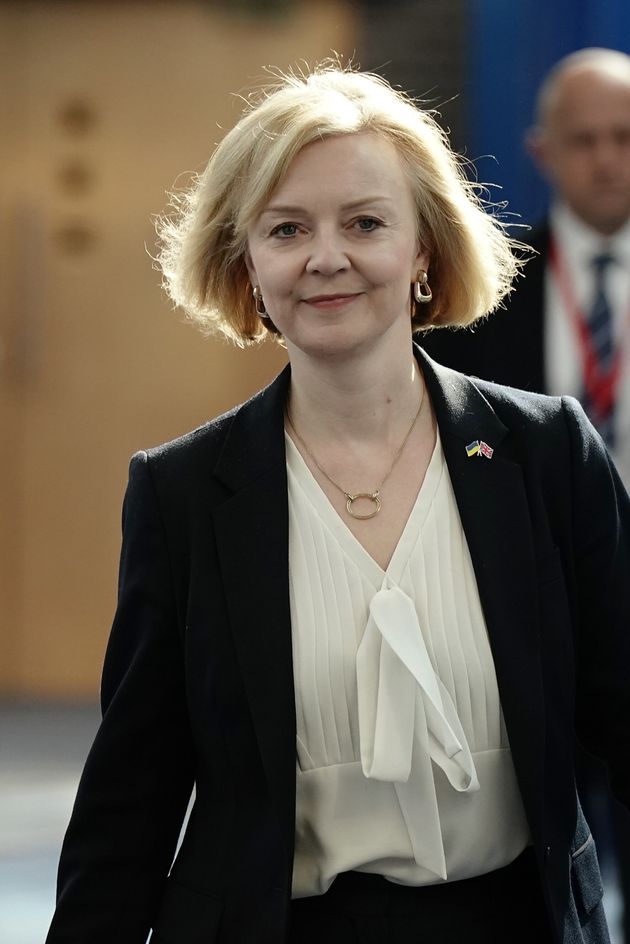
(367, 399)
(605, 228)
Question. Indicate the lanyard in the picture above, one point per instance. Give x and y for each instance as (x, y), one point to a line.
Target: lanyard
(600, 383)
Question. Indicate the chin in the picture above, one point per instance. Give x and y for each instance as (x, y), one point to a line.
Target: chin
(608, 214)
(610, 224)
(333, 344)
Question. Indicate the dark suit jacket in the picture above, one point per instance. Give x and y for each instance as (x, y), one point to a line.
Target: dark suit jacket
(508, 347)
(198, 683)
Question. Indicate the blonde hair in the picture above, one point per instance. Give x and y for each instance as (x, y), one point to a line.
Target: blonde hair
(203, 244)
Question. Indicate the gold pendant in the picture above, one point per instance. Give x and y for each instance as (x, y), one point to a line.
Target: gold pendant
(370, 496)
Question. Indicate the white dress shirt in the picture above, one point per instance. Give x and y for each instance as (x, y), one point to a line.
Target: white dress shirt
(577, 245)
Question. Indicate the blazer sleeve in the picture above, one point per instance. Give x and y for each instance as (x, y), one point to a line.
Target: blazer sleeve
(601, 538)
(138, 777)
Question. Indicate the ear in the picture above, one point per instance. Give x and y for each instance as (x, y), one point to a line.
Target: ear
(537, 146)
(422, 261)
(251, 271)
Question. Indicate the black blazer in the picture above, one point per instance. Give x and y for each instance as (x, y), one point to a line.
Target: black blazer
(508, 347)
(198, 684)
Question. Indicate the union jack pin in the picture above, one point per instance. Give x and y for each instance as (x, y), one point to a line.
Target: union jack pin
(479, 448)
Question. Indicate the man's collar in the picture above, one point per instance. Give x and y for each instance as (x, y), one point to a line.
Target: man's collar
(581, 242)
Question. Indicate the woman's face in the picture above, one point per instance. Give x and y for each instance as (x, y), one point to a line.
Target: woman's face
(335, 250)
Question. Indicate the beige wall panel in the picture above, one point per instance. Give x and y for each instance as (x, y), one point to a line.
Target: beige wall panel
(11, 420)
(109, 367)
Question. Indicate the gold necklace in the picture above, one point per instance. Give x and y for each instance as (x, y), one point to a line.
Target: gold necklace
(352, 497)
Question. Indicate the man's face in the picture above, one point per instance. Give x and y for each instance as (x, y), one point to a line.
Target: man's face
(583, 146)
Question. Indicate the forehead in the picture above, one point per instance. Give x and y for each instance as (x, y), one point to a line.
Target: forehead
(349, 165)
(590, 98)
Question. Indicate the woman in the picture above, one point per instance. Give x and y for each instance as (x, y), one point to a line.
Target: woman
(365, 612)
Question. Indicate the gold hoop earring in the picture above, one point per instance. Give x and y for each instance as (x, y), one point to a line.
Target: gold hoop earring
(259, 304)
(421, 289)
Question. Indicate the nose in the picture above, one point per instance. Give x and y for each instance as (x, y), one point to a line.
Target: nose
(327, 254)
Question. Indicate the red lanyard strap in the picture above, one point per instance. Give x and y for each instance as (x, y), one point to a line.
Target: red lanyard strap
(600, 382)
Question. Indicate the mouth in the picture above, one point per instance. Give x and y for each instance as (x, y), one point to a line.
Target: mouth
(337, 300)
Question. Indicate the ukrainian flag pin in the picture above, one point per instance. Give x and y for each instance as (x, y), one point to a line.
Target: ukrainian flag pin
(473, 448)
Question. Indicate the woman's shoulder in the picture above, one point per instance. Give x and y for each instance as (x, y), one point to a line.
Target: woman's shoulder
(551, 432)
(186, 456)
(533, 409)
(542, 428)
(538, 407)
(512, 404)
(537, 417)
(179, 469)
(204, 439)
(237, 433)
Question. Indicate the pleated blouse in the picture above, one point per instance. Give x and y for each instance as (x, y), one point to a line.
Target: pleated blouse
(403, 763)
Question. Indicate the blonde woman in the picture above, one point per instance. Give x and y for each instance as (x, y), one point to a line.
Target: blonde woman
(365, 613)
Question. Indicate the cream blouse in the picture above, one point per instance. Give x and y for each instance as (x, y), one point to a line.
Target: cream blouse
(404, 766)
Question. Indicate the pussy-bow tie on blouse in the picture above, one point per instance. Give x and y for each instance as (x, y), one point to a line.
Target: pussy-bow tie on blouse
(407, 721)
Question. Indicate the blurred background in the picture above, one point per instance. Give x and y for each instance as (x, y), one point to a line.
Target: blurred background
(105, 105)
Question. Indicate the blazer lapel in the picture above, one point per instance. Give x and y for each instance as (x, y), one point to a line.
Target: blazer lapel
(251, 529)
(493, 507)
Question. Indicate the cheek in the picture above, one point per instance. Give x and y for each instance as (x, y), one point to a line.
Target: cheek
(277, 270)
(274, 281)
(392, 264)
(573, 175)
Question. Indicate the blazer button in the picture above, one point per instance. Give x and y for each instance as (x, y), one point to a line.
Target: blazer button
(547, 852)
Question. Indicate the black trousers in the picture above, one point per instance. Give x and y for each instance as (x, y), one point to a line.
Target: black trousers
(497, 908)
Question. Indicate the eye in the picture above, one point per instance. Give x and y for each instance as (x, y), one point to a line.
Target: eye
(367, 224)
(284, 230)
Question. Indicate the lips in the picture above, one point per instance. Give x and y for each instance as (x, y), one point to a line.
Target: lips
(332, 301)
(329, 298)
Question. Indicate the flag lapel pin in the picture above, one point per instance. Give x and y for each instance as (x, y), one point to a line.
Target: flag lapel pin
(479, 448)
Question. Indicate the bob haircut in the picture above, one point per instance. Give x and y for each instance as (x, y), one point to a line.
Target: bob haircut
(203, 243)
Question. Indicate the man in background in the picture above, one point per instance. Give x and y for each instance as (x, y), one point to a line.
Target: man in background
(566, 329)
(567, 325)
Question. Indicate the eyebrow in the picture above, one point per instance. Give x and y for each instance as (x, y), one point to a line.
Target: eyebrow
(289, 209)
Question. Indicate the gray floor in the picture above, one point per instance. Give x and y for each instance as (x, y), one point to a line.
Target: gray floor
(42, 749)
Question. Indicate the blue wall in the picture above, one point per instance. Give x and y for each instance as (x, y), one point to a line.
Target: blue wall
(511, 45)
